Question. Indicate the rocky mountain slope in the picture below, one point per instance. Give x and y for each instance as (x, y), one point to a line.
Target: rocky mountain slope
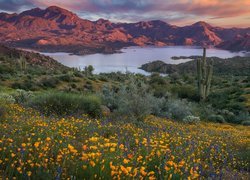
(57, 29)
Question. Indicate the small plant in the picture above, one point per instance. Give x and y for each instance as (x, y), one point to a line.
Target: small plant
(191, 119)
(22, 96)
(246, 123)
(6, 98)
(49, 82)
(216, 118)
(2, 112)
(132, 101)
(178, 109)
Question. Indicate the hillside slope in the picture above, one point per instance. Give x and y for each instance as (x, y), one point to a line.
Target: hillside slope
(57, 29)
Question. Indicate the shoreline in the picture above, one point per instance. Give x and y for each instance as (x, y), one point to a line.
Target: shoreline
(98, 50)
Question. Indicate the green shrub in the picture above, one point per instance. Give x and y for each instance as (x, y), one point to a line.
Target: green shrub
(246, 123)
(185, 91)
(66, 77)
(25, 85)
(132, 101)
(155, 78)
(228, 115)
(49, 82)
(59, 103)
(191, 119)
(216, 118)
(6, 98)
(6, 69)
(242, 116)
(177, 109)
(22, 96)
(2, 112)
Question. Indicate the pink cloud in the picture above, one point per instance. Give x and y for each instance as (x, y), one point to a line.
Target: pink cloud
(173, 11)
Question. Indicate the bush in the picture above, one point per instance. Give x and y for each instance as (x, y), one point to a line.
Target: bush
(49, 82)
(246, 123)
(25, 85)
(191, 119)
(216, 118)
(185, 91)
(2, 112)
(59, 103)
(66, 77)
(6, 98)
(22, 96)
(228, 115)
(242, 116)
(132, 101)
(178, 109)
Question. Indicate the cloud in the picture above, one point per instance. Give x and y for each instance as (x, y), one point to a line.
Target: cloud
(179, 11)
(14, 5)
(219, 8)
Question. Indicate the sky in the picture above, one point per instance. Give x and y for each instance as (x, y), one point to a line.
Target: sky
(224, 13)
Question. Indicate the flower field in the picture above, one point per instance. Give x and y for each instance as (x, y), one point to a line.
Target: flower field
(37, 147)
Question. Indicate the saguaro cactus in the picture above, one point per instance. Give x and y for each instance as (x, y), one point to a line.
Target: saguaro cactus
(23, 64)
(204, 75)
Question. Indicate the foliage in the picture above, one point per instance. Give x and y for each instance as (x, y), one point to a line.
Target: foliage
(216, 118)
(132, 100)
(88, 70)
(185, 92)
(191, 119)
(22, 96)
(246, 123)
(6, 98)
(178, 109)
(2, 111)
(59, 103)
(49, 82)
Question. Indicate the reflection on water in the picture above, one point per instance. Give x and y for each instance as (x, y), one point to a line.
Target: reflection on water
(134, 57)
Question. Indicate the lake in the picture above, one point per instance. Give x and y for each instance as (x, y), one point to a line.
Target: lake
(133, 57)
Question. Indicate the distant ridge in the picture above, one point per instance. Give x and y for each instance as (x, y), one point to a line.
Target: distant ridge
(57, 29)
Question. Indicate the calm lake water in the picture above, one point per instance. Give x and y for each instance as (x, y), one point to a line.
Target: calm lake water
(133, 57)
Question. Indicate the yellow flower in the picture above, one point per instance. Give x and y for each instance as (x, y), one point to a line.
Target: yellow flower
(124, 170)
(139, 158)
(166, 168)
(29, 173)
(84, 167)
(23, 145)
(112, 149)
(19, 169)
(92, 163)
(125, 161)
(113, 173)
(170, 163)
(84, 147)
(151, 173)
(121, 146)
(13, 155)
(72, 149)
(37, 144)
(142, 171)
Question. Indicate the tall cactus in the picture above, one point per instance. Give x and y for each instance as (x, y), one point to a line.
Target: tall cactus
(204, 76)
(23, 64)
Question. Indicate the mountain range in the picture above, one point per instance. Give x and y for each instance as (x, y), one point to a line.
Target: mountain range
(57, 29)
